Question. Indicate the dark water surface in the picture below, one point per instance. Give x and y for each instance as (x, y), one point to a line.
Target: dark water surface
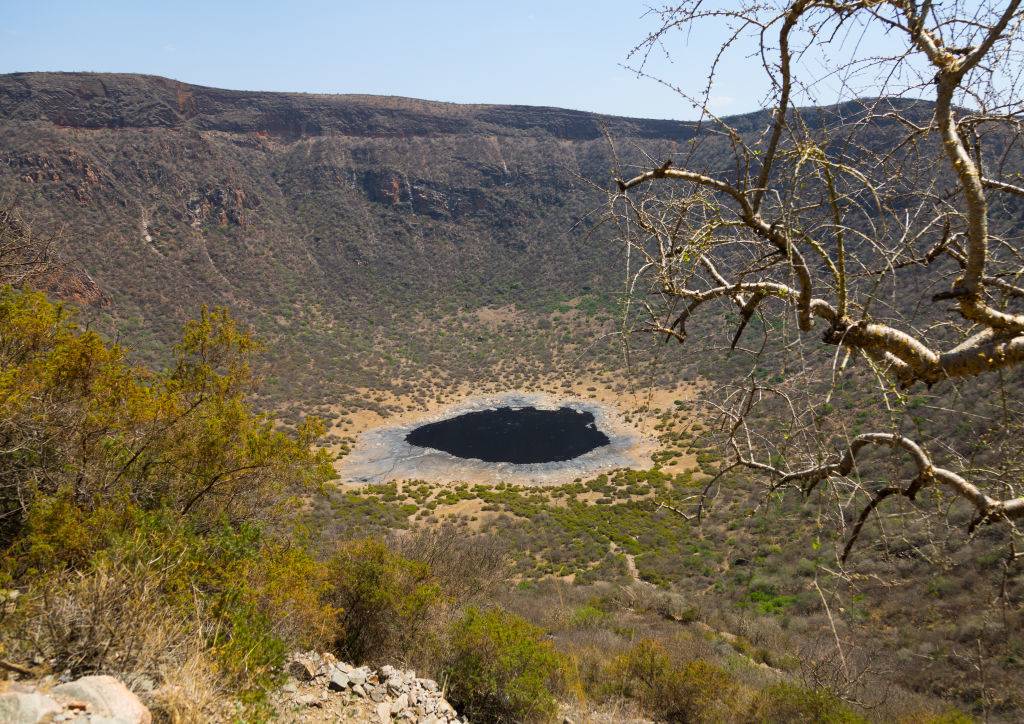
(513, 435)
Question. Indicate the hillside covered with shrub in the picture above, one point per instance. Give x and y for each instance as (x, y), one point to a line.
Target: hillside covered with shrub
(154, 530)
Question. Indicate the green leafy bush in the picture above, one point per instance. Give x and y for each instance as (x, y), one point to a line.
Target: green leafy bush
(389, 603)
(695, 691)
(157, 591)
(588, 616)
(501, 669)
(135, 505)
(79, 420)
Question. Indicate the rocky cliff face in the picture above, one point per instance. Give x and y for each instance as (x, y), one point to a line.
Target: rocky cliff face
(339, 226)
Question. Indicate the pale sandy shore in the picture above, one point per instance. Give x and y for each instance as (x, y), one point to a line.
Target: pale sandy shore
(382, 454)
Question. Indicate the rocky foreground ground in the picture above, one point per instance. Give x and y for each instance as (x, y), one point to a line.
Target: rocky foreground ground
(90, 699)
(319, 688)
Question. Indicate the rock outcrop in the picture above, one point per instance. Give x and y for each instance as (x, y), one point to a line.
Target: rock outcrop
(364, 208)
(321, 688)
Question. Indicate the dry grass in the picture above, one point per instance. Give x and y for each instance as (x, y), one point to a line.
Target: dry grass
(116, 620)
(113, 619)
(191, 692)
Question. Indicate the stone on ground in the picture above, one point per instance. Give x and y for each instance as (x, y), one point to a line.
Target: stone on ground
(27, 707)
(106, 699)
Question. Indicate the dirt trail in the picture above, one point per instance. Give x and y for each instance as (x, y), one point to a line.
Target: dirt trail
(631, 568)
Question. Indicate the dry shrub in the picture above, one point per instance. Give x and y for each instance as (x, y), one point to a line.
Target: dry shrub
(501, 668)
(183, 619)
(391, 606)
(643, 598)
(469, 568)
(291, 590)
(398, 597)
(112, 619)
(191, 692)
(694, 691)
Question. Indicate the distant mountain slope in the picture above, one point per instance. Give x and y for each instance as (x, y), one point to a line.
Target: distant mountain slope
(114, 100)
(315, 216)
(338, 225)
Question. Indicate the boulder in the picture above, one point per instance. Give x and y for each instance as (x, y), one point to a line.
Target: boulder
(302, 668)
(399, 704)
(20, 707)
(339, 680)
(384, 712)
(107, 699)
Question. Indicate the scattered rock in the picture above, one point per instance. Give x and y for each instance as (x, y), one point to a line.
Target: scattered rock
(307, 700)
(339, 690)
(399, 704)
(339, 680)
(321, 689)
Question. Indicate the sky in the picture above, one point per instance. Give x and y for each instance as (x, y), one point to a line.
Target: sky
(566, 53)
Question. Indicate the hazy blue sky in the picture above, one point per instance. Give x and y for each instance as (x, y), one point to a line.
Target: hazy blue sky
(557, 52)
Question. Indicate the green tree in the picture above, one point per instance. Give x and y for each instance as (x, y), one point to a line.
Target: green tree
(387, 602)
(78, 421)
